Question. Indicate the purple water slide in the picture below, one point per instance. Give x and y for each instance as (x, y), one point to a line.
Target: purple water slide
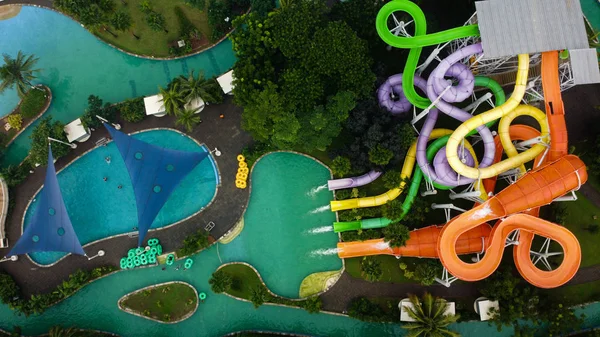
(441, 172)
(338, 184)
(392, 97)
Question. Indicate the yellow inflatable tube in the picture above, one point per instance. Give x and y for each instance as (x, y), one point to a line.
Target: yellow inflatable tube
(406, 173)
(498, 112)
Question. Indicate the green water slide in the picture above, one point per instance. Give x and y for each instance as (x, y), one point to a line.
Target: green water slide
(432, 149)
(416, 43)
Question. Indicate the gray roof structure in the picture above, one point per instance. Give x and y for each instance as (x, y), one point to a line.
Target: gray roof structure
(511, 27)
(584, 64)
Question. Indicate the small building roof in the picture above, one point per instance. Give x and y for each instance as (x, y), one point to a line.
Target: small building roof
(76, 131)
(483, 307)
(584, 64)
(511, 27)
(404, 317)
(154, 105)
(226, 82)
(196, 104)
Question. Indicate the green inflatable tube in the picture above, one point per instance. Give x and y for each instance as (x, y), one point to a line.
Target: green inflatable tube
(170, 259)
(202, 296)
(416, 43)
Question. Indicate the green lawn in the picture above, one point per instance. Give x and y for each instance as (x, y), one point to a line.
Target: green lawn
(317, 282)
(577, 294)
(33, 103)
(153, 43)
(169, 302)
(390, 266)
(580, 215)
(244, 280)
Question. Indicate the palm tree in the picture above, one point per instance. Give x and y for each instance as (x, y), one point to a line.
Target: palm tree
(188, 119)
(199, 87)
(18, 72)
(122, 22)
(59, 331)
(172, 98)
(430, 320)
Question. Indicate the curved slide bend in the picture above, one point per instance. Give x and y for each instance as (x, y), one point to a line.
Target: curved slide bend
(537, 188)
(367, 178)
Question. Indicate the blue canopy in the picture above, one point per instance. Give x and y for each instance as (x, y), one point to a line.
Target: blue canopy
(155, 172)
(50, 229)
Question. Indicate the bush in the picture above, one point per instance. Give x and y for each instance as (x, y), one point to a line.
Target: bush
(14, 175)
(393, 210)
(193, 243)
(16, 121)
(396, 234)
(361, 235)
(340, 166)
(363, 309)
(312, 304)
(9, 290)
(218, 12)
(262, 7)
(220, 281)
(371, 268)
(95, 108)
(132, 110)
(256, 151)
(426, 272)
(33, 103)
(392, 179)
(380, 155)
(186, 27)
(39, 141)
(259, 296)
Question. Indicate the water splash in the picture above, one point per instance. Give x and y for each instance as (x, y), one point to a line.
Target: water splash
(382, 245)
(323, 252)
(318, 230)
(320, 209)
(316, 190)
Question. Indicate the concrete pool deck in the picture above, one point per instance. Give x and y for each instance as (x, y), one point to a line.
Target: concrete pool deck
(225, 210)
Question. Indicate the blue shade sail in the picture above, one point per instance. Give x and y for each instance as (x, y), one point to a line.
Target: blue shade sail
(50, 229)
(155, 172)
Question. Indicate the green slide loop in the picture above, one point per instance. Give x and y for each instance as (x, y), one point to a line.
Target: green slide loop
(421, 39)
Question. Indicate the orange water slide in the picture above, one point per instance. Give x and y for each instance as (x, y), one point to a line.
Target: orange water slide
(537, 188)
(422, 243)
(555, 109)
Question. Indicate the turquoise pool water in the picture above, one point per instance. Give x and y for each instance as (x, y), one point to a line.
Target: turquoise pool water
(99, 209)
(219, 314)
(278, 237)
(75, 65)
(591, 9)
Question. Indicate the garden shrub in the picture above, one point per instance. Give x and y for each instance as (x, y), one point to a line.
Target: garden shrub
(255, 151)
(218, 12)
(33, 103)
(193, 243)
(363, 309)
(220, 282)
(14, 175)
(186, 27)
(262, 7)
(16, 121)
(132, 110)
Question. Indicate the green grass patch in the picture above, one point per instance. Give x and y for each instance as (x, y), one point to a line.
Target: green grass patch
(244, 280)
(154, 43)
(389, 265)
(576, 294)
(317, 282)
(169, 302)
(580, 214)
(33, 103)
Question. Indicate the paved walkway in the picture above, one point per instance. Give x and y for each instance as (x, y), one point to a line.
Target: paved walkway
(226, 209)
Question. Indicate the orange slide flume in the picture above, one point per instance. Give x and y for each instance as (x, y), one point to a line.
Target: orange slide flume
(537, 188)
(422, 243)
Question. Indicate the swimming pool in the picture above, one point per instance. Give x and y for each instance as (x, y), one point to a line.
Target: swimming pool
(75, 64)
(281, 237)
(99, 209)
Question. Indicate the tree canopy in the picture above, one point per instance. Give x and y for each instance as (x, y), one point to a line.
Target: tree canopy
(298, 75)
(39, 141)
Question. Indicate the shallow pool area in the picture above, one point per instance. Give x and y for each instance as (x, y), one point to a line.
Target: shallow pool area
(281, 236)
(99, 209)
(75, 64)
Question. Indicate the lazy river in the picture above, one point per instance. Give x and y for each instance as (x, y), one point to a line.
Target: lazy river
(75, 64)
(99, 209)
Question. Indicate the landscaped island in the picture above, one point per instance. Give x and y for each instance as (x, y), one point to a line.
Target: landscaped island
(169, 302)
